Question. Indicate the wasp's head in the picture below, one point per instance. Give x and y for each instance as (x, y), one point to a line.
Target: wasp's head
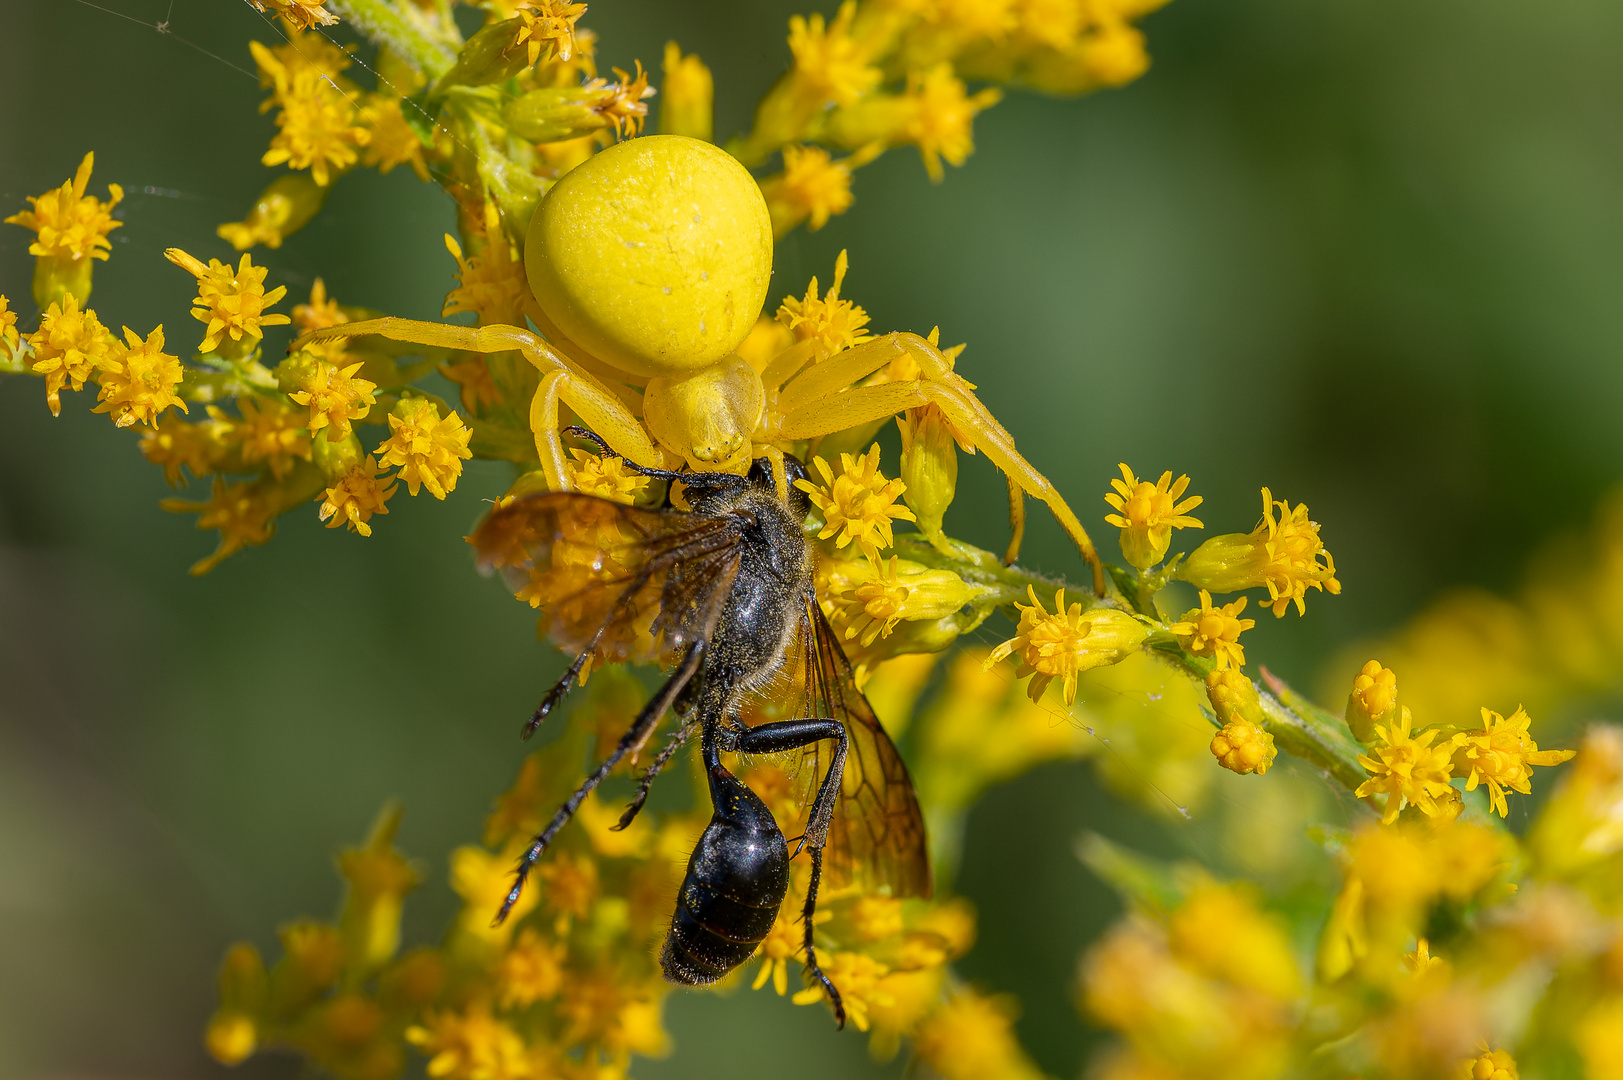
(761, 473)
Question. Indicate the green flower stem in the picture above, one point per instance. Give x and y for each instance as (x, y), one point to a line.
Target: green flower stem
(1304, 730)
(386, 26)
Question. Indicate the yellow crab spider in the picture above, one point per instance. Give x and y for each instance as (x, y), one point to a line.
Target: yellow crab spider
(648, 265)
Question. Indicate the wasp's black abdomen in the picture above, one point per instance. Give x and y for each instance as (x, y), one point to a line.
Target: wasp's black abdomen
(736, 880)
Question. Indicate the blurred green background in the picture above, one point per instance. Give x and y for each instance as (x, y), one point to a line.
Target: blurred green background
(1366, 252)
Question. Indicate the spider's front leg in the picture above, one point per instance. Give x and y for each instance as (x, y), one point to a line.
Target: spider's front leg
(561, 381)
(815, 401)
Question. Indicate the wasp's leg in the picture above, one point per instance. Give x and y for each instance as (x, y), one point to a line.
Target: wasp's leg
(635, 736)
(683, 734)
(627, 596)
(687, 478)
(792, 735)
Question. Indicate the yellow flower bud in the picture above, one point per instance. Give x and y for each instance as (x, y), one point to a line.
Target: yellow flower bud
(1243, 747)
(231, 1037)
(556, 113)
(281, 210)
(929, 466)
(1374, 696)
(687, 96)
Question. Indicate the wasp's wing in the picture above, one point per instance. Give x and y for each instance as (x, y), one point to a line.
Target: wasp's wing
(621, 582)
(876, 838)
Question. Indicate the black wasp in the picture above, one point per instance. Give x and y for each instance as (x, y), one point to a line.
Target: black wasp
(724, 595)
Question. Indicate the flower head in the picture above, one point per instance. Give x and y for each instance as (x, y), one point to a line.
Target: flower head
(531, 970)
(859, 978)
(1283, 553)
(1147, 513)
(231, 304)
(830, 64)
(1067, 641)
(1214, 632)
(69, 346)
(319, 126)
(1408, 769)
(390, 140)
(270, 432)
(244, 514)
(1490, 1065)
(335, 395)
(605, 477)
(471, 1045)
(356, 497)
(865, 600)
(548, 24)
(811, 188)
(1501, 754)
(174, 444)
(782, 943)
(941, 115)
(859, 504)
(972, 1036)
(687, 96)
(491, 284)
(303, 14)
(428, 448)
(1243, 747)
(1374, 695)
(68, 224)
(320, 313)
(138, 380)
(837, 324)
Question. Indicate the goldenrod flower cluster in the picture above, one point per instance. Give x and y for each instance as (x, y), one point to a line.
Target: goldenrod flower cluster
(1447, 947)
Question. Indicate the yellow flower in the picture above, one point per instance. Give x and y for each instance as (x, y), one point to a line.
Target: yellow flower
(866, 600)
(837, 324)
(1490, 1065)
(482, 879)
(492, 283)
(1598, 1039)
(1214, 632)
(858, 977)
(875, 918)
(1220, 931)
(241, 512)
(269, 432)
(1282, 554)
(335, 396)
(1501, 754)
(359, 495)
(471, 1045)
(138, 380)
(69, 346)
(605, 477)
(830, 64)
(1234, 698)
(1243, 747)
(941, 119)
(549, 24)
(1113, 53)
(781, 944)
(285, 206)
(8, 332)
(1147, 513)
(858, 505)
(390, 141)
(320, 313)
(1421, 960)
(971, 1037)
(812, 187)
(230, 304)
(475, 386)
(319, 126)
(1408, 770)
(1066, 642)
(303, 14)
(1374, 694)
(174, 444)
(531, 970)
(428, 448)
(687, 101)
(68, 224)
(569, 885)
